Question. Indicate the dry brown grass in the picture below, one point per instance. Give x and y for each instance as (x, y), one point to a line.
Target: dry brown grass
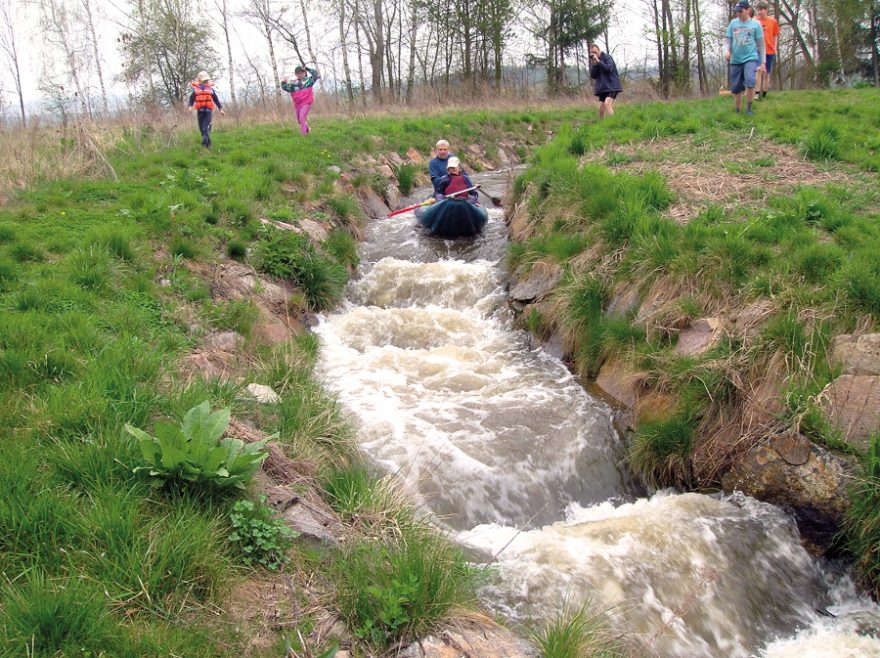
(745, 176)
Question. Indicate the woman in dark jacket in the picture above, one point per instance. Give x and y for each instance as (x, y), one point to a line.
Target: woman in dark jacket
(604, 71)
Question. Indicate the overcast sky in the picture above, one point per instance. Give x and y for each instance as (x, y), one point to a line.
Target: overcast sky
(626, 35)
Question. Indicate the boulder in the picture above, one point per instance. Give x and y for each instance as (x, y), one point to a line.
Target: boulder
(749, 320)
(541, 281)
(621, 383)
(790, 471)
(859, 354)
(335, 169)
(700, 337)
(502, 158)
(852, 404)
(372, 204)
(387, 172)
(317, 231)
(394, 159)
(470, 642)
(626, 299)
(307, 514)
(228, 341)
(263, 394)
(414, 156)
(392, 195)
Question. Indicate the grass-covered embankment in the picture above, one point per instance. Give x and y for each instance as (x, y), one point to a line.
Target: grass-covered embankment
(669, 213)
(105, 285)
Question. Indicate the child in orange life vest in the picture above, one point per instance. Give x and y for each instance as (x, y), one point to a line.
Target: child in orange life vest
(454, 181)
(202, 101)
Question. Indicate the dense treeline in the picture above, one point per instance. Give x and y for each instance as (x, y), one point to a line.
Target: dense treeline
(403, 51)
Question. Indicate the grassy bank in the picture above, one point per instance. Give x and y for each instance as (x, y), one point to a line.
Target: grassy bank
(669, 213)
(105, 287)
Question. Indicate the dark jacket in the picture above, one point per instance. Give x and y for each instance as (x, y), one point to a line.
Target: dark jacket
(605, 74)
(437, 170)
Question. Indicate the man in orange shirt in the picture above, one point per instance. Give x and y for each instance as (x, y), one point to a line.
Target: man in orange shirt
(771, 34)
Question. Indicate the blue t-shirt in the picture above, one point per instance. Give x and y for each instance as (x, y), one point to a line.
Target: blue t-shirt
(744, 37)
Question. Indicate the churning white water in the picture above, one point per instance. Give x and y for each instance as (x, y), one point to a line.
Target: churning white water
(506, 448)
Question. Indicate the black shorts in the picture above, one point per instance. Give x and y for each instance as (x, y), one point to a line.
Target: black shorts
(607, 94)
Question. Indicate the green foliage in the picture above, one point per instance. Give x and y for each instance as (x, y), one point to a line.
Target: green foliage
(406, 176)
(823, 143)
(68, 617)
(861, 531)
(393, 590)
(193, 452)
(183, 249)
(343, 247)
(261, 539)
(239, 315)
(291, 256)
(660, 450)
(576, 634)
(236, 249)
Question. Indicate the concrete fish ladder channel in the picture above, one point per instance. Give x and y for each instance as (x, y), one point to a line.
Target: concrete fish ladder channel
(510, 453)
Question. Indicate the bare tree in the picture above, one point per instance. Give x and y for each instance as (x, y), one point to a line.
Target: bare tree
(9, 47)
(89, 23)
(58, 26)
(264, 14)
(222, 10)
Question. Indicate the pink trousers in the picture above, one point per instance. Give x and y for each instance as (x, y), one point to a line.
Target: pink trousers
(302, 113)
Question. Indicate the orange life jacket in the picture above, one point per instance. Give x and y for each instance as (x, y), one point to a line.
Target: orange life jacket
(204, 99)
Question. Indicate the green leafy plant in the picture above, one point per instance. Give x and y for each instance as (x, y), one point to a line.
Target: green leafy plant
(862, 524)
(261, 538)
(194, 453)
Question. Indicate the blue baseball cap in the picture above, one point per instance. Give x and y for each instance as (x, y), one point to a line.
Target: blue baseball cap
(741, 5)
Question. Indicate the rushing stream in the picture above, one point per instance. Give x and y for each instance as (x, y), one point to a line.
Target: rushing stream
(510, 452)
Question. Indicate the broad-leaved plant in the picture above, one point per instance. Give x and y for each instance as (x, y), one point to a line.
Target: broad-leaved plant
(194, 452)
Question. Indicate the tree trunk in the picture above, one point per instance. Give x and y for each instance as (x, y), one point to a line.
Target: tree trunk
(308, 34)
(90, 24)
(875, 18)
(224, 25)
(413, 32)
(377, 54)
(701, 62)
(357, 39)
(346, 71)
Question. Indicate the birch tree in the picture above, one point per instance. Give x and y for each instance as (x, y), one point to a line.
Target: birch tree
(9, 40)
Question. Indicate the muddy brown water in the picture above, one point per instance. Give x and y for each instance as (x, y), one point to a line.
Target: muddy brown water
(523, 466)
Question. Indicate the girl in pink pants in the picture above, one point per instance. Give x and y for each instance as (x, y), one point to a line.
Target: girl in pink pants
(301, 93)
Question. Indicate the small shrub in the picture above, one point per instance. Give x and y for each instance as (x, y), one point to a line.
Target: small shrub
(24, 252)
(42, 617)
(862, 523)
(193, 452)
(575, 635)
(90, 267)
(661, 450)
(391, 591)
(183, 249)
(343, 247)
(262, 539)
(823, 143)
(236, 249)
(406, 177)
(117, 242)
(7, 233)
(8, 274)
(239, 315)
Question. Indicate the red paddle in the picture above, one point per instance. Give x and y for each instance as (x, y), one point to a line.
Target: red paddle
(431, 201)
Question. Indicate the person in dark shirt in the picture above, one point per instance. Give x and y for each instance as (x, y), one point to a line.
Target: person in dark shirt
(437, 165)
(202, 100)
(606, 83)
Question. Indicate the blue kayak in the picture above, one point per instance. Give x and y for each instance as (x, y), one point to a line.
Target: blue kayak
(453, 218)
